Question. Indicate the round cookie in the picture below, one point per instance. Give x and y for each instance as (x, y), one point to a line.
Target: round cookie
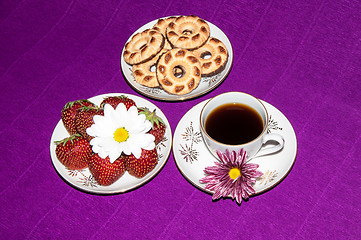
(178, 71)
(145, 73)
(188, 32)
(143, 46)
(213, 56)
(161, 26)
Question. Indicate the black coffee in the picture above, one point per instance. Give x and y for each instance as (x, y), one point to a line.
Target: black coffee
(234, 124)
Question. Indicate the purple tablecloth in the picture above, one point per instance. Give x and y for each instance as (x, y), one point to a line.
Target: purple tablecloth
(303, 57)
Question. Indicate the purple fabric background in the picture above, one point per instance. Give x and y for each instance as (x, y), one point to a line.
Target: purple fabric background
(304, 57)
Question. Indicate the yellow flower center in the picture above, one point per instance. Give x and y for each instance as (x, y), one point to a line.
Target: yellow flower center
(234, 173)
(121, 135)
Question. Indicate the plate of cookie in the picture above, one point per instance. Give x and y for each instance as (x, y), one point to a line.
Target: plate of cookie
(176, 58)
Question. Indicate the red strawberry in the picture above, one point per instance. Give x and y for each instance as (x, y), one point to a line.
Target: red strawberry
(84, 119)
(114, 101)
(73, 152)
(105, 172)
(158, 126)
(140, 167)
(69, 112)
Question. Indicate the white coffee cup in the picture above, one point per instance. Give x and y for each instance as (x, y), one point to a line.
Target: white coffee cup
(264, 144)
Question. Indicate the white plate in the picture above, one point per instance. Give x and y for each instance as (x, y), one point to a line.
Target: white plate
(192, 156)
(206, 84)
(82, 179)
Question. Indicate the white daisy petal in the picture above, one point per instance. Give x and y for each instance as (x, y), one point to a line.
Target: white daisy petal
(142, 140)
(91, 131)
(119, 115)
(136, 151)
(123, 147)
(108, 109)
(102, 154)
(133, 111)
(121, 110)
(150, 146)
(147, 126)
(96, 149)
(97, 119)
(114, 155)
(108, 141)
(96, 142)
(107, 128)
(101, 127)
(121, 107)
(149, 143)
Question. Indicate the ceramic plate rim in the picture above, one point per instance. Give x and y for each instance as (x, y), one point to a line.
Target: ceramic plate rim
(170, 97)
(59, 133)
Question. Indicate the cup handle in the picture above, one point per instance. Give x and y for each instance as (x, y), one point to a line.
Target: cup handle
(274, 137)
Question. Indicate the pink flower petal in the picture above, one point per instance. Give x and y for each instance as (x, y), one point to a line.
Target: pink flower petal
(219, 181)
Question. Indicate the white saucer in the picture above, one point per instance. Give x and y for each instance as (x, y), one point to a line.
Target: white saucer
(192, 156)
(82, 179)
(206, 84)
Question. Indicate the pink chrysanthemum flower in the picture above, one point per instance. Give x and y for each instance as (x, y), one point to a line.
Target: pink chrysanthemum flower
(231, 176)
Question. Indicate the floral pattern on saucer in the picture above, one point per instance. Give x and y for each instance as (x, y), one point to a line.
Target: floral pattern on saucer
(272, 125)
(192, 156)
(191, 137)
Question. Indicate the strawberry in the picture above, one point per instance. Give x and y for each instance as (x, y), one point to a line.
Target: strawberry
(105, 172)
(73, 152)
(69, 112)
(140, 167)
(84, 119)
(158, 126)
(115, 100)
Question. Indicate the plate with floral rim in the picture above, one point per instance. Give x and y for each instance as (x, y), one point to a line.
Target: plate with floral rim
(192, 156)
(206, 84)
(83, 179)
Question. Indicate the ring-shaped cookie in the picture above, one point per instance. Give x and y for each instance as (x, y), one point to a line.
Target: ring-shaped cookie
(178, 71)
(188, 32)
(161, 25)
(146, 73)
(143, 46)
(213, 56)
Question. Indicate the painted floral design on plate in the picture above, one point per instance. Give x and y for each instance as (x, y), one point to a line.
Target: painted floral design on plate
(84, 178)
(192, 137)
(268, 177)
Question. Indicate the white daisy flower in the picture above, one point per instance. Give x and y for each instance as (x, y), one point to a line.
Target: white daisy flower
(120, 131)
